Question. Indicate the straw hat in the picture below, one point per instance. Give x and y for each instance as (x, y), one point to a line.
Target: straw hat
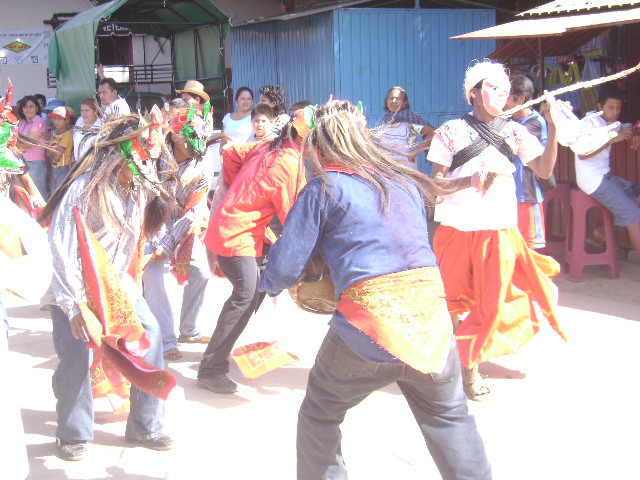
(196, 88)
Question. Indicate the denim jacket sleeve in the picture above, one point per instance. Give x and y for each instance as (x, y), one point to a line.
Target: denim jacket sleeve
(291, 254)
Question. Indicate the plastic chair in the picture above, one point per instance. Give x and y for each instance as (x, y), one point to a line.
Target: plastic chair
(556, 218)
(576, 254)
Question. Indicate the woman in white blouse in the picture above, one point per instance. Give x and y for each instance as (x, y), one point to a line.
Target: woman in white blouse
(237, 125)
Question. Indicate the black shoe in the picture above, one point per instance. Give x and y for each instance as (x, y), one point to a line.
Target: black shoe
(219, 384)
(71, 452)
(161, 442)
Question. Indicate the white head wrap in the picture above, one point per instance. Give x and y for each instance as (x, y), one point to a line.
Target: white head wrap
(486, 69)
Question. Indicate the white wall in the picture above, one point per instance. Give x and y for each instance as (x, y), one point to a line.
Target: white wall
(30, 14)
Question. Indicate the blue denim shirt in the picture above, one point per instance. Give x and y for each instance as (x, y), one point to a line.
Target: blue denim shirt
(356, 240)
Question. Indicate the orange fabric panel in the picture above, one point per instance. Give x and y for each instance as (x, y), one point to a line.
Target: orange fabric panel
(495, 277)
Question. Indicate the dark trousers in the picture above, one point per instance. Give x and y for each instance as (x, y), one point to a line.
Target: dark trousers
(340, 379)
(243, 272)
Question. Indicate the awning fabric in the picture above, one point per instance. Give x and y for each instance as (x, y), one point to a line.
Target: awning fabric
(562, 6)
(550, 36)
(71, 51)
(544, 27)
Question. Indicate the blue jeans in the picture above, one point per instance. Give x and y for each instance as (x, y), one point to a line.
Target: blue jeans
(72, 385)
(340, 379)
(619, 196)
(243, 273)
(38, 172)
(193, 297)
(57, 176)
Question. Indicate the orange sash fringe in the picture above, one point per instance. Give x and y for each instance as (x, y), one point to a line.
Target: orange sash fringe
(181, 261)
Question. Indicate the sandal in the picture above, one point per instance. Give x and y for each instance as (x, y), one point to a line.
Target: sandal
(173, 354)
(472, 384)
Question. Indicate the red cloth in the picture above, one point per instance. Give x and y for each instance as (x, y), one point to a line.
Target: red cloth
(494, 276)
(531, 224)
(259, 358)
(259, 187)
(117, 336)
(181, 261)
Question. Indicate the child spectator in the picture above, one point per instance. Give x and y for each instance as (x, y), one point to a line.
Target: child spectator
(297, 106)
(262, 117)
(528, 191)
(42, 101)
(593, 173)
(62, 142)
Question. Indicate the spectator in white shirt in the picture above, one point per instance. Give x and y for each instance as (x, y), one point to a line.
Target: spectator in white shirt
(112, 102)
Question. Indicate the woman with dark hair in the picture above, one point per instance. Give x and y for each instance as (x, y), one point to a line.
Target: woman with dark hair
(237, 125)
(276, 98)
(364, 214)
(32, 126)
(400, 127)
(263, 180)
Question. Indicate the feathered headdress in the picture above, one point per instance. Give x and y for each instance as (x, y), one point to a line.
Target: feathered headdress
(196, 126)
(11, 160)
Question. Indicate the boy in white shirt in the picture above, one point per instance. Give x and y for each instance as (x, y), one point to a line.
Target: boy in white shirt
(593, 173)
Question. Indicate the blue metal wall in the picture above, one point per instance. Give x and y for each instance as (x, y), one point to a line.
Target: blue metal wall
(359, 53)
(380, 48)
(297, 54)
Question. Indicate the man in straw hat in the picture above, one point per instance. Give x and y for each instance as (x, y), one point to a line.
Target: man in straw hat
(194, 90)
(365, 215)
(486, 266)
(180, 240)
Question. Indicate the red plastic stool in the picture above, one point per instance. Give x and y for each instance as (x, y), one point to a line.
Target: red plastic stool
(576, 255)
(556, 218)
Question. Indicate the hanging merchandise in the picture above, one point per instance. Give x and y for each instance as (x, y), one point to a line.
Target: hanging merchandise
(559, 78)
(589, 96)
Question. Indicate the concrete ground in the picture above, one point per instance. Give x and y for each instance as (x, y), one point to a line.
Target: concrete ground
(558, 410)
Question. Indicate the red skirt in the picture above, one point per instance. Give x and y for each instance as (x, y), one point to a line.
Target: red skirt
(494, 276)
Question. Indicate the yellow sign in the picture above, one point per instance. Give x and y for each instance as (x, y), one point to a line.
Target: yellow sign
(17, 46)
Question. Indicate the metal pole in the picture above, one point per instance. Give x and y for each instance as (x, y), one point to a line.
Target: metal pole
(541, 66)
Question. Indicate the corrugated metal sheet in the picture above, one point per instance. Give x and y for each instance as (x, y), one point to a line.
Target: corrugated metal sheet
(305, 58)
(358, 54)
(381, 48)
(297, 54)
(253, 56)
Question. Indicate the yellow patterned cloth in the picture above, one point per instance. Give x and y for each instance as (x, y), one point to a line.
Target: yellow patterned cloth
(405, 313)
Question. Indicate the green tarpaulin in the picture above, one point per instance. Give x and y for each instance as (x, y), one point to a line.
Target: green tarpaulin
(72, 56)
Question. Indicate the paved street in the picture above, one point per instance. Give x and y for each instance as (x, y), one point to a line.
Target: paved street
(558, 410)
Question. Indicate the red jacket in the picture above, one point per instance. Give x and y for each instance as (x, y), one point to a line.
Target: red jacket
(259, 188)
